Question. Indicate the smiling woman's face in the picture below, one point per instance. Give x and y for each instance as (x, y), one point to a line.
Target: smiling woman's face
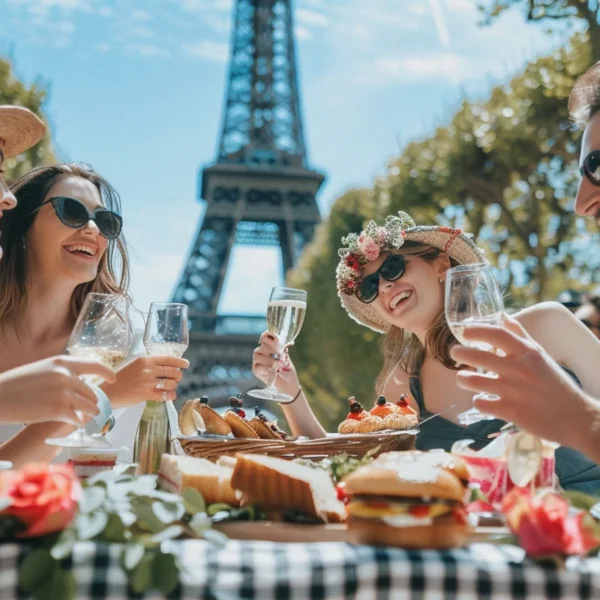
(415, 300)
(59, 251)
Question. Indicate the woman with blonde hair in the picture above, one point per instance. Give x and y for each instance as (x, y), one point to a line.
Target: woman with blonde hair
(391, 279)
(62, 241)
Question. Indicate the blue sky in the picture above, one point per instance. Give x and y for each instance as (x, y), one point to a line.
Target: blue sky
(137, 90)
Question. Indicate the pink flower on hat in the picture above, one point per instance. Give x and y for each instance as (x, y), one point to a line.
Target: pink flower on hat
(369, 247)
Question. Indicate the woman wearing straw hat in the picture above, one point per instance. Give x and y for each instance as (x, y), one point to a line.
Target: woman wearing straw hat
(48, 389)
(391, 279)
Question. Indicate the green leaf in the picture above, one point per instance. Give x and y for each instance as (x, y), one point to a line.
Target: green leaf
(90, 525)
(215, 537)
(92, 499)
(165, 573)
(64, 544)
(580, 499)
(37, 567)
(5, 503)
(199, 523)
(115, 530)
(103, 478)
(194, 501)
(170, 533)
(132, 555)
(217, 507)
(140, 578)
(165, 496)
(146, 518)
(168, 512)
(61, 586)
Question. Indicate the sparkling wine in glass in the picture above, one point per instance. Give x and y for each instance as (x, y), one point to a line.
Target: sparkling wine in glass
(102, 332)
(473, 297)
(285, 316)
(166, 330)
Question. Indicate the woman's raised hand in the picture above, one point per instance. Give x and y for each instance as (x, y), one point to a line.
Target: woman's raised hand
(146, 378)
(50, 390)
(269, 356)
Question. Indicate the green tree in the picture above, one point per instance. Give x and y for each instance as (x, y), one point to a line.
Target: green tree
(13, 91)
(551, 11)
(505, 169)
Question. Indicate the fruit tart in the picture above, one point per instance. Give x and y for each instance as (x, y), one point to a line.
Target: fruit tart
(356, 414)
(236, 419)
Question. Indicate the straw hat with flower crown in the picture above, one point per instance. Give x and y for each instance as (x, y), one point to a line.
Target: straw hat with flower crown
(20, 129)
(366, 246)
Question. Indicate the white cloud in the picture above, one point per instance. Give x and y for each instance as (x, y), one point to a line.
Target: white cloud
(139, 31)
(212, 51)
(311, 18)
(218, 23)
(41, 8)
(203, 6)
(462, 6)
(103, 47)
(445, 66)
(141, 15)
(105, 11)
(302, 33)
(146, 50)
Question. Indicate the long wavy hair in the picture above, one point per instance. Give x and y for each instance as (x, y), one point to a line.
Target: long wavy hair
(30, 191)
(404, 348)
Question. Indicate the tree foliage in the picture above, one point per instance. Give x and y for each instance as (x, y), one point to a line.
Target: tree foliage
(551, 11)
(505, 169)
(13, 91)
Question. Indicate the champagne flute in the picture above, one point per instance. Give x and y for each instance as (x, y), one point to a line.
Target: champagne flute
(285, 315)
(166, 330)
(102, 332)
(473, 298)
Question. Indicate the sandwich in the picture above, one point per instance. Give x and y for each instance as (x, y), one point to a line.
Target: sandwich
(213, 481)
(410, 500)
(275, 485)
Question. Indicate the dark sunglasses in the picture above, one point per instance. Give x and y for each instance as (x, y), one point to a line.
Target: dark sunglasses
(75, 214)
(590, 169)
(391, 269)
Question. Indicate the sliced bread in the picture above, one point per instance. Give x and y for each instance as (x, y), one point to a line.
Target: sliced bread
(277, 484)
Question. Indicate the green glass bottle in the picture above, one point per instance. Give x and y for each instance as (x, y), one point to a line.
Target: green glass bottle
(152, 438)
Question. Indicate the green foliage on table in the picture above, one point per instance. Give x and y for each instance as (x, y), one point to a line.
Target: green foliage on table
(551, 12)
(13, 91)
(117, 507)
(503, 168)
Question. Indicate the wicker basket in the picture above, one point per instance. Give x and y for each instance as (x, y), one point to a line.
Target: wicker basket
(212, 447)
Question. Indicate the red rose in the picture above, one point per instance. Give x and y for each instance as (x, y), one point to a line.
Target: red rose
(43, 497)
(544, 524)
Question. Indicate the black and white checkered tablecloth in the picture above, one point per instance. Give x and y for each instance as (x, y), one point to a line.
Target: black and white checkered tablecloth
(268, 570)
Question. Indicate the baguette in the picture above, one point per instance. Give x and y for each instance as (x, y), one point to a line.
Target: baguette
(277, 484)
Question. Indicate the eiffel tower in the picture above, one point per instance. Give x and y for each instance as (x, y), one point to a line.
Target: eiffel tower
(260, 191)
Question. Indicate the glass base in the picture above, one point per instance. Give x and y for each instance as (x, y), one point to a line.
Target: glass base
(271, 393)
(79, 439)
(473, 415)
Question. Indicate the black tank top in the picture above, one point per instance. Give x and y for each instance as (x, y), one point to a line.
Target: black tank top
(574, 470)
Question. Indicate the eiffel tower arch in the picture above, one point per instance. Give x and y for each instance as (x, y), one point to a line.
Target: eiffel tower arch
(260, 191)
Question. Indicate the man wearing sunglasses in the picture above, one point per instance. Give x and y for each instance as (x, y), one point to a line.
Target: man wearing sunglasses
(535, 393)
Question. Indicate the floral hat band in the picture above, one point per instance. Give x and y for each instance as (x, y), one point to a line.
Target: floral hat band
(366, 246)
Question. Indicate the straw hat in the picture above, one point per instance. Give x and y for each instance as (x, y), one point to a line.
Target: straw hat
(19, 130)
(366, 246)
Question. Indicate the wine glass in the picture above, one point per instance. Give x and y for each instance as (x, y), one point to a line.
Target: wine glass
(102, 332)
(473, 298)
(285, 315)
(166, 330)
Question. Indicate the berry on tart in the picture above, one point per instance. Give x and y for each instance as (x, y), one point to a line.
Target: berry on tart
(383, 408)
(356, 410)
(404, 407)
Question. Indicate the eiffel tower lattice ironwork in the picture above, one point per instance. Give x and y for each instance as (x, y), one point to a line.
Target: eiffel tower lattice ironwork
(260, 191)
